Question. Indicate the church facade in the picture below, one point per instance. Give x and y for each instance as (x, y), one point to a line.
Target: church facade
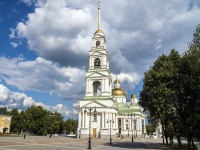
(104, 111)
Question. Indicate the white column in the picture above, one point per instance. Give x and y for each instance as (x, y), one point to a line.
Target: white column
(102, 116)
(112, 120)
(115, 120)
(105, 87)
(144, 125)
(91, 61)
(124, 123)
(106, 118)
(86, 120)
(87, 85)
(83, 119)
(79, 119)
(139, 124)
(121, 123)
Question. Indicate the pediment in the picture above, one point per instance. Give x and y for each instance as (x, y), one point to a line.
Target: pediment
(97, 53)
(96, 74)
(94, 104)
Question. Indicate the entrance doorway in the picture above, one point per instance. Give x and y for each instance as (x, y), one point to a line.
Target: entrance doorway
(94, 132)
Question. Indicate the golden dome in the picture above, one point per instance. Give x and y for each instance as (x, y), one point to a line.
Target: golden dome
(116, 81)
(118, 92)
(98, 31)
(133, 96)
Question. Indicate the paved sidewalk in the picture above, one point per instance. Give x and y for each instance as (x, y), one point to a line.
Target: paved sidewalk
(69, 143)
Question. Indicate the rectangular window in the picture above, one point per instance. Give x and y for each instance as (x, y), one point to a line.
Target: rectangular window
(126, 126)
(95, 117)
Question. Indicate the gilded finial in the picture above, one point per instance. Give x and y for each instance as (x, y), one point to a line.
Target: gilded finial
(99, 2)
(99, 19)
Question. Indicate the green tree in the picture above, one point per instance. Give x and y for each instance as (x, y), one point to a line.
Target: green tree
(171, 94)
(71, 126)
(159, 91)
(14, 127)
(4, 111)
(150, 129)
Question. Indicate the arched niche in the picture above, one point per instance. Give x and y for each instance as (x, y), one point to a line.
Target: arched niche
(97, 88)
(97, 63)
(98, 43)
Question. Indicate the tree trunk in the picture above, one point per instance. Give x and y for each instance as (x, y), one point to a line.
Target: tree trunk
(193, 146)
(162, 132)
(189, 139)
(171, 139)
(178, 137)
(179, 141)
(166, 138)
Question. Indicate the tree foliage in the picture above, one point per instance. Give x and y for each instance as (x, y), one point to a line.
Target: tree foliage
(39, 121)
(171, 94)
(71, 126)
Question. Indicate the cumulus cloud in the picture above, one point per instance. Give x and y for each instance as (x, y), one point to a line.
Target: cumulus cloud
(12, 34)
(43, 75)
(11, 99)
(60, 32)
(4, 93)
(76, 104)
(128, 81)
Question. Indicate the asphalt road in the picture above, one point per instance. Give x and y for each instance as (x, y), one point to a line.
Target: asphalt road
(70, 143)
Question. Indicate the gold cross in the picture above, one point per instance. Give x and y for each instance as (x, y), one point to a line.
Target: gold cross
(99, 2)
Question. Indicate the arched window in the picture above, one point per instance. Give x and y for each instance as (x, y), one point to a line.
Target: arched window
(97, 63)
(98, 43)
(97, 88)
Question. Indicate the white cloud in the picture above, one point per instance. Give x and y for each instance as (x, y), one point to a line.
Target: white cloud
(137, 32)
(59, 33)
(127, 80)
(74, 112)
(43, 75)
(11, 99)
(55, 28)
(76, 104)
(14, 44)
(12, 35)
(4, 93)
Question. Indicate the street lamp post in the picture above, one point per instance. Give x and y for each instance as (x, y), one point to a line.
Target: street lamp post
(134, 128)
(110, 130)
(90, 109)
(132, 123)
(51, 115)
(25, 121)
(137, 119)
(128, 131)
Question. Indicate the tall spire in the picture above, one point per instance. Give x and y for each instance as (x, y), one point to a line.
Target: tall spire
(99, 19)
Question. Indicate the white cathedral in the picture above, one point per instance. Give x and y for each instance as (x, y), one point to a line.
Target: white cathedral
(104, 111)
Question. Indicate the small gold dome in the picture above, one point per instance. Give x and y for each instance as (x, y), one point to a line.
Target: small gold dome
(118, 92)
(116, 81)
(133, 96)
(98, 31)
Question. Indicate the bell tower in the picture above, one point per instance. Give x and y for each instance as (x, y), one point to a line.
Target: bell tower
(98, 78)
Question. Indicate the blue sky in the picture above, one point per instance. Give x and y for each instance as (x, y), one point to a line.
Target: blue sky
(44, 45)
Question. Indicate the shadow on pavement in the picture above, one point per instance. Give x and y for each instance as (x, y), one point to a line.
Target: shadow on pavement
(140, 145)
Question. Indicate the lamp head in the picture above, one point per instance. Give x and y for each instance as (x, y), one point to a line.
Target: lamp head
(95, 109)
